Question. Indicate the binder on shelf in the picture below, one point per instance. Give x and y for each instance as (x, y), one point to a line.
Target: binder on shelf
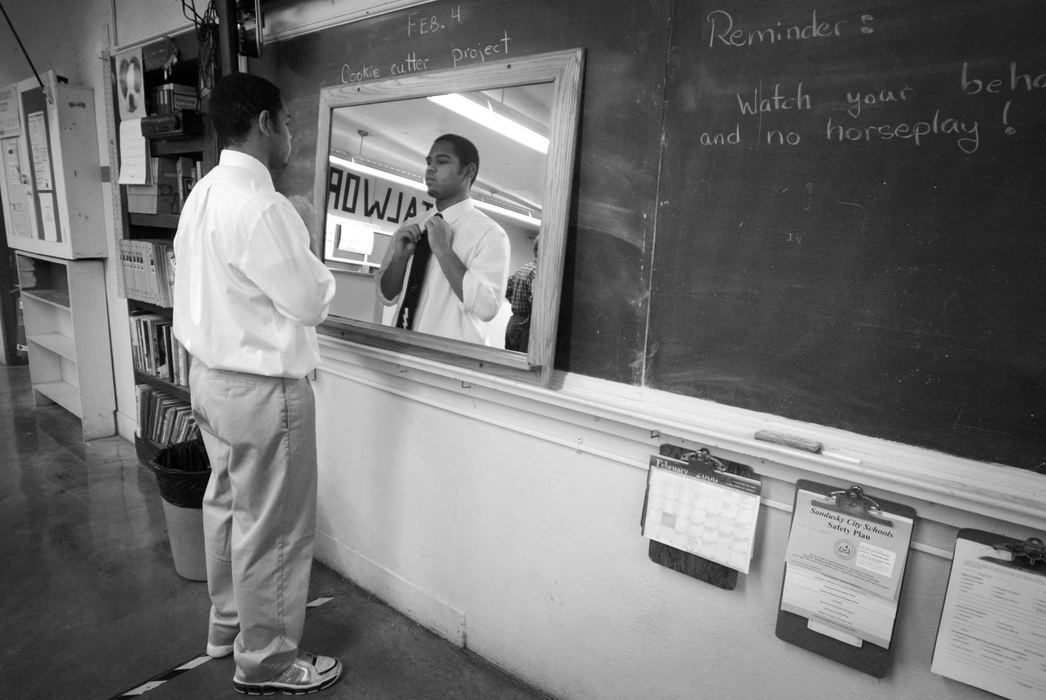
(993, 622)
(148, 270)
(843, 575)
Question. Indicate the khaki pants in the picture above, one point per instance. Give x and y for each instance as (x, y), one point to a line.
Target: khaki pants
(259, 513)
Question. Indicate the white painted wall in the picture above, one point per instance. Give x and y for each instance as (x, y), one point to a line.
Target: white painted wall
(506, 518)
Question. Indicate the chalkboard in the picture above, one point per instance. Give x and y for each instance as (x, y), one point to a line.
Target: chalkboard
(828, 213)
(851, 221)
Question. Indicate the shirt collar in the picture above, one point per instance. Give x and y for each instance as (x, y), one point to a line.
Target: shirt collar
(240, 159)
(456, 211)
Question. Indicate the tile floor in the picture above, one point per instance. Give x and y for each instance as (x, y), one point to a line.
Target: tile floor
(92, 606)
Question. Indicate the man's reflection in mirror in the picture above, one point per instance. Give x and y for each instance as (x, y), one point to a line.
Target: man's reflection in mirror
(457, 289)
(520, 293)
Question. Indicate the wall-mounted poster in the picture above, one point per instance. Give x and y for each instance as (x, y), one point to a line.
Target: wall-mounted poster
(130, 84)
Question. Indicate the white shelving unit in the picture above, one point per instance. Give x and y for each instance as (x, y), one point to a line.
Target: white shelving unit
(67, 331)
(50, 185)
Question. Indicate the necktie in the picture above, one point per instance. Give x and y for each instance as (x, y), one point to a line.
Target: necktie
(415, 281)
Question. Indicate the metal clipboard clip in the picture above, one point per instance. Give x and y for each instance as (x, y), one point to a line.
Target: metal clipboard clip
(855, 503)
(704, 457)
(1031, 549)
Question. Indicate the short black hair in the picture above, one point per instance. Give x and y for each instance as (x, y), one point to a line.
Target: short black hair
(236, 102)
(465, 149)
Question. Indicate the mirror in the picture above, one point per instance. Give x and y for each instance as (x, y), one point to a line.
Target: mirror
(372, 143)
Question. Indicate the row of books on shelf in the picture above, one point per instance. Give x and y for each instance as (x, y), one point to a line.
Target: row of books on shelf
(169, 182)
(148, 270)
(164, 419)
(154, 349)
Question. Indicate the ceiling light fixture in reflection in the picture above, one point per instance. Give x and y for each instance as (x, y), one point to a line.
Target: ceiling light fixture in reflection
(486, 116)
(364, 169)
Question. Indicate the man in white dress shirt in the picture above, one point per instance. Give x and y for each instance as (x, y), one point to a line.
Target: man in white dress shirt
(248, 295)
(465, 282)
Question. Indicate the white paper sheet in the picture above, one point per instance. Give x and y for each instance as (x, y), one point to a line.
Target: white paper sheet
(9, 125)
(48, 220)
(19, 222)
(715, 521)
(134, 154)
(993, 627)
(844, 572)
(41, 151)
(838, 605)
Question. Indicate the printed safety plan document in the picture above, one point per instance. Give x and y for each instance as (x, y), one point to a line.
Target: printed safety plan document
(843, 571)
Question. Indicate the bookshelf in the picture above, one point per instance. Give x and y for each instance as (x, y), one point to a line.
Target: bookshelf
(67, 333)
(145, 245)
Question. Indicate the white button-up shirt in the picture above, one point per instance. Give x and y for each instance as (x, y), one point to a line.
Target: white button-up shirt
(248, 292)
(483, 246)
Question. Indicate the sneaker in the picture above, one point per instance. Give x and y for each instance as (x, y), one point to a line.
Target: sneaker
(218, 651)
(308, 674)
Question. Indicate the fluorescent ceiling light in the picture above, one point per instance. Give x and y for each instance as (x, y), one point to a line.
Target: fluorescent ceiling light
(383, 174)
(487, 117)
(420, 186)
(502, 211)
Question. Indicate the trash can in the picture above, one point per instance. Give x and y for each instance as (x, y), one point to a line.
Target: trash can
(182, 471)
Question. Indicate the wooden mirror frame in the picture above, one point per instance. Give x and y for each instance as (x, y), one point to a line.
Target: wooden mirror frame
(564, 70)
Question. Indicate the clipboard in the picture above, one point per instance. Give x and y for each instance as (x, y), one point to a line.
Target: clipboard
(693, 565)
(993, 602)
(839, 507)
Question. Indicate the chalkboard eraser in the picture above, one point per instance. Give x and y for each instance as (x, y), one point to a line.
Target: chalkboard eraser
(795, 441)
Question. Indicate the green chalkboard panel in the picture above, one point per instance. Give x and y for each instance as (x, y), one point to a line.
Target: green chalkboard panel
(851, 222)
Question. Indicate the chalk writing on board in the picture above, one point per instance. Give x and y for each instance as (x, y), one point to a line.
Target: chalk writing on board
(419, 24)
(761, 102)
(410, 64)
(963, 130)
(856, 99)
(867, 118)
(352, 74)
(1016, 80)
(967, 134)
(482, 51)
(724, 31)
